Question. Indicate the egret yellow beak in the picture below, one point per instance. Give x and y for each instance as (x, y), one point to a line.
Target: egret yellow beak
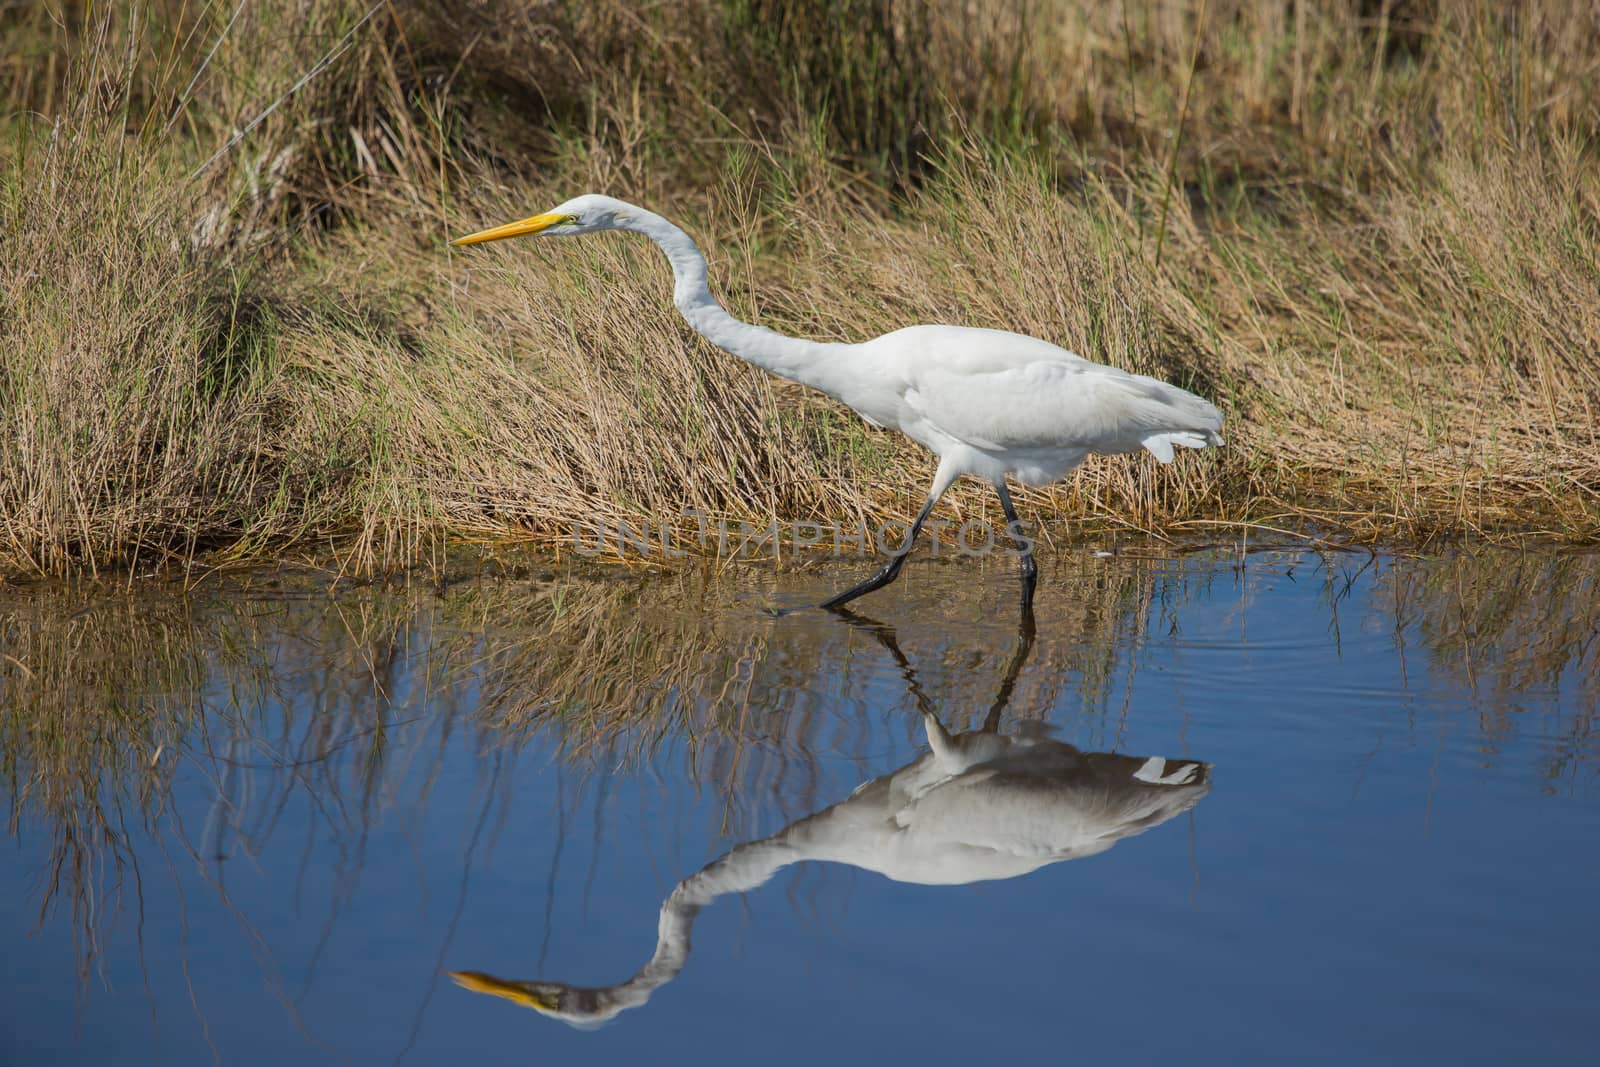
(536, 224)
(516, 992)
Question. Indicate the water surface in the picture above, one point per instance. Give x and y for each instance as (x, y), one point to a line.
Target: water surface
(1327, 807)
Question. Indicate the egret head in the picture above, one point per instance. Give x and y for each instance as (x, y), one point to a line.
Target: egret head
(585, 1009)
(582, 214)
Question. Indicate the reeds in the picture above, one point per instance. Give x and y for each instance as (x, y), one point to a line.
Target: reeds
(230, 329)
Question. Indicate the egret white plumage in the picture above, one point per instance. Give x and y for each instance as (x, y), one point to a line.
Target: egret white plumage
(988, 403)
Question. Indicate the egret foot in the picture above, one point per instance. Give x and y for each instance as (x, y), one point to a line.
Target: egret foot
(877, 581)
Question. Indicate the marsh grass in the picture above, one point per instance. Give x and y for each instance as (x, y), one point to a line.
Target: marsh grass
(230, 330)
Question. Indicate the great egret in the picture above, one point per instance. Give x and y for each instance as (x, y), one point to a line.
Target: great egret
(986, 402)
(978, 806)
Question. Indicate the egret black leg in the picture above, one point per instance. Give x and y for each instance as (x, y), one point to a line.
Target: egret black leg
(885, 636)
(1030, 570)
(892, 570)
(1025, 635)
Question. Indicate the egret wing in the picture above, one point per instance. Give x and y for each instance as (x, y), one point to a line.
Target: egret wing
(1051, 404)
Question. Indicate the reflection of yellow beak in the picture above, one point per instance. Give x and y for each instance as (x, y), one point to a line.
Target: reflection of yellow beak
(516, 992)
(524, 228)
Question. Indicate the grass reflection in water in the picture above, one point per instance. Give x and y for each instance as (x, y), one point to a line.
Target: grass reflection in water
(315, 721)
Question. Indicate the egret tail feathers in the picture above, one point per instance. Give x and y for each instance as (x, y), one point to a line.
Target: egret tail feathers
(1160, 445)
(1168, 416)
(1158, 771)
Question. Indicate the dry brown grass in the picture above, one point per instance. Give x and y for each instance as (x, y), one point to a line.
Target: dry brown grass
(229, 324)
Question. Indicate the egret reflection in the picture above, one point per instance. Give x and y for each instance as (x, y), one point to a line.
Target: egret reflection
(978, 806)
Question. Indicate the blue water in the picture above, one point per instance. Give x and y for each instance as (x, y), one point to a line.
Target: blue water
(1396, 860)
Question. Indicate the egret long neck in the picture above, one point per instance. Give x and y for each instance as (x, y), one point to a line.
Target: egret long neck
(820, 365)
(744, 868)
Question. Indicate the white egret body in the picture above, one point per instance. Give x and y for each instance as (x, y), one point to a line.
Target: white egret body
(988, 403)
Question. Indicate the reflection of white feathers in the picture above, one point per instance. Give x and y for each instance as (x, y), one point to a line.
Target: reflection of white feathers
(981, 806)
(976, 807)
